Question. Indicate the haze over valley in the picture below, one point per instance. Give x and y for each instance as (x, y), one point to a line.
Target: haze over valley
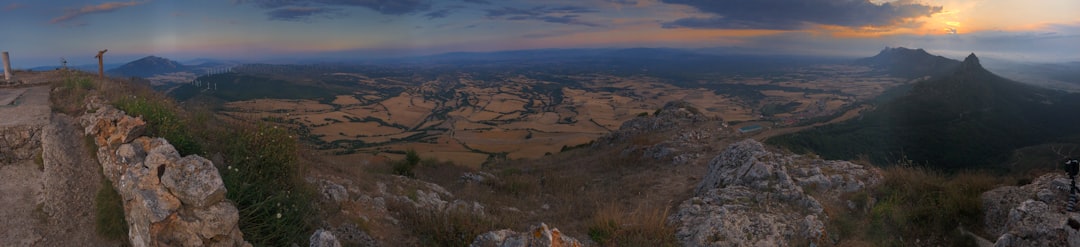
(540, 123)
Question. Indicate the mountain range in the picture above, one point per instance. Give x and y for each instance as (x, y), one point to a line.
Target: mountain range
(149, 66)
(966, 117)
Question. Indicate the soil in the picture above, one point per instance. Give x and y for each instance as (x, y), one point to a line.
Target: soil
(48, 201)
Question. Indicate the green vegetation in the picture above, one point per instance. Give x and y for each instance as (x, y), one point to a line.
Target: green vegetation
(264, 179)
(163, 120)
(970, 119)
(110, 213)
(261, 171)
(71, 93)
(913, 203)
(405, 167)
(773, 109)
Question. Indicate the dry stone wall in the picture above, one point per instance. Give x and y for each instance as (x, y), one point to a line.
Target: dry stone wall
(169, 200)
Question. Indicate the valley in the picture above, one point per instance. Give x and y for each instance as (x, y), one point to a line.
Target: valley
(469, 118)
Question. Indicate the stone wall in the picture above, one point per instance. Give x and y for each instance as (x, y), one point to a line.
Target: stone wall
(169, 200)
(19, 143)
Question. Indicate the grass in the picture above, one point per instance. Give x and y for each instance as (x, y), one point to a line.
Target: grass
(613, 225)
(452, 227)
(163, 120)
(264, 179)
(262, 173)
(71, 92)
(912, 203)
(110, 213)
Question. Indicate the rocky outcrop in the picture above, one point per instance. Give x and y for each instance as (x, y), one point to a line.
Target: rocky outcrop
(695, 132)
(18, 143)
(1033, 214)
(754, 197)
(169, 200)
(539, 236)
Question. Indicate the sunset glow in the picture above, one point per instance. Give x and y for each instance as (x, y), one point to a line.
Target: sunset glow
(263, 29)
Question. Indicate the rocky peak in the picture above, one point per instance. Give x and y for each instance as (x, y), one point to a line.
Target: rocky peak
(971, 62)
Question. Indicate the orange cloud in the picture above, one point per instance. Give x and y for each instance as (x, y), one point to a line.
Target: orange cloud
(91, 9)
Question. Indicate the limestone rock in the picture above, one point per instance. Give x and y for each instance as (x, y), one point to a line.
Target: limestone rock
(333, 192)
(1033, 214)
(539, 236)
(323, 238)
(169, 200)
(754, 197)
(195, 181)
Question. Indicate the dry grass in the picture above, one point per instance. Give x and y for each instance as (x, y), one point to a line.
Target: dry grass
(913, 203)
(614, 225)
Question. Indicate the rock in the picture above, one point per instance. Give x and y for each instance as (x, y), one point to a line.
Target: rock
(194, 180)
(539, 236)
(1033, 214)
(333, 192)
(753, 197)
(323, 238)
(168, 200)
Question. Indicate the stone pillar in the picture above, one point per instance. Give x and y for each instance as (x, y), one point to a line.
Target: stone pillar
(7, 67)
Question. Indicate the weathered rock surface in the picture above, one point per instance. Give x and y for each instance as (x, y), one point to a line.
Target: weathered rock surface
(323, 238)
(539, 236)
(691, 142)
(19, 143)
(753, 197)
(1033, 214)
(168, 200)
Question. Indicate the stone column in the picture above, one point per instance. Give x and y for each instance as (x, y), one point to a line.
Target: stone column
(7, 67)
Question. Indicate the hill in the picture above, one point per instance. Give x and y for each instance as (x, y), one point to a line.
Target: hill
(969, 118)
(148, 66)
(909, 63)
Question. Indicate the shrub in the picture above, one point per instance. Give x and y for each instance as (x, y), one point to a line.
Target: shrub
(263, 178)
(405, 167)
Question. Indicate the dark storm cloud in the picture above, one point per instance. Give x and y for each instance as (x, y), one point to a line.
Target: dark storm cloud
(793, 14)
(557, 14)
(388, 7)
(297, 13)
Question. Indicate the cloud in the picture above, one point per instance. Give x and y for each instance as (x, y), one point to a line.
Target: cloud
(387, 7)
(14, 6)
(478, 1)
(557, 14)
(442, 13)
(298, 13)
(795, 14)
(623, 2)
(92, 9)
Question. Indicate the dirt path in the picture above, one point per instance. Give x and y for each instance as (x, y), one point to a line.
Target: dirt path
(46, 199)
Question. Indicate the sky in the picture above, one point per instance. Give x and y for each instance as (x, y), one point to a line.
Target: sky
(41, 32)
